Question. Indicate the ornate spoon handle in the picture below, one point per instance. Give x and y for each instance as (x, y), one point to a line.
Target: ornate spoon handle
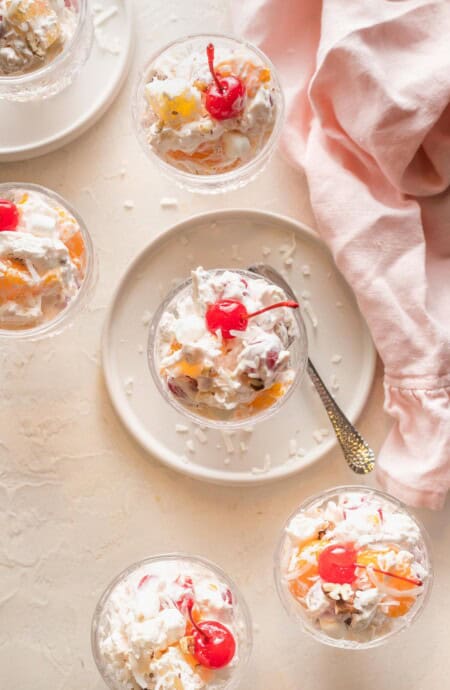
(357, 452)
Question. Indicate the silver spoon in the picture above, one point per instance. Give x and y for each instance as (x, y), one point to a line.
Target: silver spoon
(358, 454)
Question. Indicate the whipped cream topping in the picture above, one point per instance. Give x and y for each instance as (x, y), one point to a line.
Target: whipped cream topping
(42, 261)
(384, 537)
(33, 32)
(142, 633)
(231, 378)
(184, 134)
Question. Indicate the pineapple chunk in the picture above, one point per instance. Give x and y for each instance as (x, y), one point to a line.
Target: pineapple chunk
(174, 101)
(36, 21)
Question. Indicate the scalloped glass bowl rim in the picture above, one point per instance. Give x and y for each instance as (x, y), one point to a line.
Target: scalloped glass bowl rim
(302, 344)
(227, 179)
(245, 652)
(289, 603)
(66, 316)
(28, 78)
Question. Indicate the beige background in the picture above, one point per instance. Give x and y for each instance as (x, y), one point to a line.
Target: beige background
(79, 501)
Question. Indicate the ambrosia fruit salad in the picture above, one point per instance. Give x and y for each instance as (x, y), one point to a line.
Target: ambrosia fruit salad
(221, 346)
(33, 33)
(353, 564)
(171, 623)
(210, 108)
(42, 258)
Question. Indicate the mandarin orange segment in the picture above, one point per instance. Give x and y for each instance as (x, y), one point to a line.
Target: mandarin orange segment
(300, 586)
(199, 155)
(192, 370)
(400, 608)
(268, 397)
(401, 605)
(15, 281)
(309, 569)
(77, 250)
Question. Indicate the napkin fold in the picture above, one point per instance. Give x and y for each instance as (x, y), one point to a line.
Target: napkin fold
(367, 87)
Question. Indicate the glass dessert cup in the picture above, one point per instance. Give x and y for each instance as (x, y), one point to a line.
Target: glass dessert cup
(60, 70)
(232, 177)
(244, 415)
(187, 587)
(335, 616)
(66, 315)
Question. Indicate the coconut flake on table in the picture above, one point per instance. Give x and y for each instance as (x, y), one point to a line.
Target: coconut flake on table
(128, 205)
(103, 16)
(105, 41)
(309, 311)
(228, 443)
(128, 385)
(288, 251)
(200, 435)
(169, 202)
(334, 383)
(336, 359)
(190, 445)
(266, 251)
(292, 447)
(265, 468)
(235, 253)
(306, 270)
(181, 429)
(318, 436)
(146, 318)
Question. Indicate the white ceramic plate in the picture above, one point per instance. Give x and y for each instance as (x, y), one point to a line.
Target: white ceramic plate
(33, 129)
(290, 440)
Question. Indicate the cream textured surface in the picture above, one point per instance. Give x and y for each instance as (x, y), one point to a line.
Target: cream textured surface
(79, 500)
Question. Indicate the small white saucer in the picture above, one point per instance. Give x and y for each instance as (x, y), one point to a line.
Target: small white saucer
(35, 128)
(300, 433)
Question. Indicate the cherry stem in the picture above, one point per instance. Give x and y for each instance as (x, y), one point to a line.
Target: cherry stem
(418, 583)
(289, 303)
(210, 54)
(197, 627)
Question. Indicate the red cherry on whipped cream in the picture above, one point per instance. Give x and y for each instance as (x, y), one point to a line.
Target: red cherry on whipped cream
(225, 97)
(213, 644)
(337, 563)
(229, 315)
(9, 215)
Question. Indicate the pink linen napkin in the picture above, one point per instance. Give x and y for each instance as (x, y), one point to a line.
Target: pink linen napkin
(367, 86)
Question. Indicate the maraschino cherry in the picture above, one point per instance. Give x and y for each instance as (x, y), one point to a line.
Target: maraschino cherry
(337, 564)
(229, 315)
(225, 96)
(9, 215)
(213, 644)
